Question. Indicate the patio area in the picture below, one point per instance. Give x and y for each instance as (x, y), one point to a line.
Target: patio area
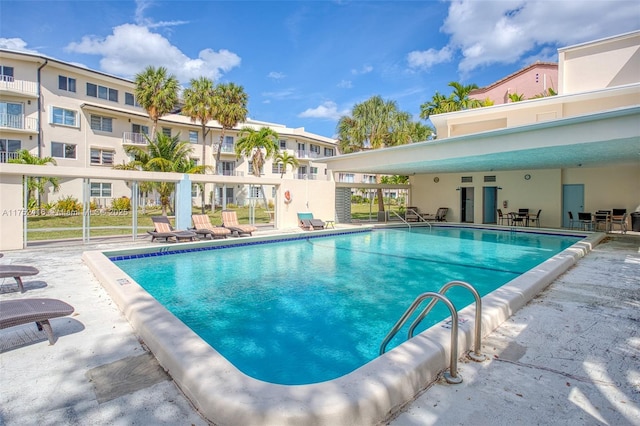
(569, 356)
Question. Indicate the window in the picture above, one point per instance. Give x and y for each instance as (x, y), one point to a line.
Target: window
(9, 149)
(63, 116)
(139, 128)
(277, 168)
(346, 177)
(250, 165)
(489, 178)
(315, 148)
(6, 73)
(130, 99)
(193, 136)
(63, 150)
(228, 140)
(466, 179)
(194, 190)
(66, 83)
(227, 168)
(11, 115)
(301, 147)
(328, 152)
(102, 92)
(103, 124)
(166, 131)
(101, 157)
(283, 144)
(256, 192)
(100, 189)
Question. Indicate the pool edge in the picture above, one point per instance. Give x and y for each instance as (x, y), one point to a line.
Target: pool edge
(224, 395)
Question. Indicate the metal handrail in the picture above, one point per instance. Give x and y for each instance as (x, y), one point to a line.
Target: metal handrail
(401, 218)
(452, 376)
(476, 355)
(420, 217)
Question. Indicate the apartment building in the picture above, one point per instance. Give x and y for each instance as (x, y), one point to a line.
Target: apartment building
(85, 118)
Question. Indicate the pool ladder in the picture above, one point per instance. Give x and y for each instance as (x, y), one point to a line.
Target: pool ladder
(452, 375)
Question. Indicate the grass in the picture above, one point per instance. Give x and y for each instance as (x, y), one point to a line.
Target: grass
(50, 227)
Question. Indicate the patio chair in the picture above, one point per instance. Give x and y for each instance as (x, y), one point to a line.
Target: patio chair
(17, 272)
(308, 222)
(230, 221)
(502, 218)
(535, 219)
(571, 220)
(441, 214)
(586, 221)
(163, 229)
(203, 227)
(23, 311)
(620, 221)
(602, 218)
(516, 219)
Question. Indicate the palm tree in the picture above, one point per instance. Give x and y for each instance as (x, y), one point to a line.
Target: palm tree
(199, 105)
(374, 124)
(461, 96)
(259, 145)
(36, 184)
(164, 154)
(284, 158)
(456, 101)
(157, 93)
(230, 109)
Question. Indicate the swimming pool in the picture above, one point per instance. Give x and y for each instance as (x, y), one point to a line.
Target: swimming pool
(311, 310)
(225, 395)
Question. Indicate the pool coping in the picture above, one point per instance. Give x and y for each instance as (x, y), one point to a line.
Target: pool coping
(368, 395)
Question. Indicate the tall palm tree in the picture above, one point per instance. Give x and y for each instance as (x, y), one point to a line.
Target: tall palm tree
(199, 105)
(461, 96)
(164, 154)
(259, 145)
(456, 101)
(439, 104)
(230, 109)
(36, 184)
(157, 93)
(286, 159)
(374, 124)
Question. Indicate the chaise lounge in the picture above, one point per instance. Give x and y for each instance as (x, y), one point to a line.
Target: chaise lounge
(40, 311)
(308, 222)
(163, 229)
(17, 272)
(230, 221)
(205, 228)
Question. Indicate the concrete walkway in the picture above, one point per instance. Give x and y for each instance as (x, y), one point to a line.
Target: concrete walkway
(571, 356)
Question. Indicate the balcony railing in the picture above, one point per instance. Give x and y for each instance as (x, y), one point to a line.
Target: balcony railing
(226, 148)
(130, 138)
(307, 176)
(18, 121)
(8, 84)
(231, 173)
(6, 156)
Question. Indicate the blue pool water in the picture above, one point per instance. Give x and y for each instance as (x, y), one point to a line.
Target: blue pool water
(314, 309)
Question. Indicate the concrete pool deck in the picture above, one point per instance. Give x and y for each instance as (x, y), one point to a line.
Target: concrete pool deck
(570, 355)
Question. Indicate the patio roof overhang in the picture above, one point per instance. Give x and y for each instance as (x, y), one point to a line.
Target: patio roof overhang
(594, 140)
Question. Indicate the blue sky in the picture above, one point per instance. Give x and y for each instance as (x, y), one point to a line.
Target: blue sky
(306, 63)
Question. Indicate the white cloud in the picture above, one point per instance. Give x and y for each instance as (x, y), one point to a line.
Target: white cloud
(328, 110)
(276, 75)
(366, 69)
(15, 44)
(280, 95)
(428, 58)
(488, 32)
(132, 47)
(345, 84)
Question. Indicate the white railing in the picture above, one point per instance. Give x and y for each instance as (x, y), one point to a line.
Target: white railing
(226, 147)
(18, 121)
(307, 176)
(6, 156)
(130, 138)
(7, 83)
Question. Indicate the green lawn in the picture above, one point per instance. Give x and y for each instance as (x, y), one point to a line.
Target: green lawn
(51, 227)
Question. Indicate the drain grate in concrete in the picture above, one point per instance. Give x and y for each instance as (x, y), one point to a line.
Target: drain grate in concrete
(125, 376)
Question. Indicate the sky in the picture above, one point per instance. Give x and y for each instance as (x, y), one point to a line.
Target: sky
(307, 63)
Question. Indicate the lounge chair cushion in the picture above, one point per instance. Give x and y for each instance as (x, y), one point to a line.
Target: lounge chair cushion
(230, 221)
(203, 226)
(17, 271)
(40, 311)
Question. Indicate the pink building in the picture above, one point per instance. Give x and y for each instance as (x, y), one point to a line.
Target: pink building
(531, 81)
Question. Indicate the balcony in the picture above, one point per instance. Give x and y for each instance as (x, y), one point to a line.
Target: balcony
(18, 123)
(307, 155)
(22, 88)
(6, 156)
(130, 138)
(307, 176)
(232, 173)
(226, 148)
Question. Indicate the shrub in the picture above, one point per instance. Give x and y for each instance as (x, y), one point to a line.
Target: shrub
(122, 203)
(68, 204)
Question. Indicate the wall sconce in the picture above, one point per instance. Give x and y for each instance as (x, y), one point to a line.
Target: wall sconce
(499, 187)
(30, 137)
(458, 189)
(28, 102)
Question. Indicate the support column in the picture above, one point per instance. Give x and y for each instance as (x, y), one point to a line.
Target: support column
(13, 213)
(183, 203)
